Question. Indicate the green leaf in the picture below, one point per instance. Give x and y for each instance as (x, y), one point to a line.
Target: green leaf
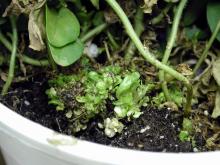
(128, 83)
(184, 136)
(68, 54)
(193, 11)
(187, 125)
(95, 3)
(213, 16)
(62, 27)
(98, 18)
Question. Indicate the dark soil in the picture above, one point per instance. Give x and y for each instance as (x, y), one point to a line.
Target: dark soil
(155, 130)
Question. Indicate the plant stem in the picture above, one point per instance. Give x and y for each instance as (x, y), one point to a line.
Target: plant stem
(169, 46)
(13, 56)
(94, 32)
(5, 42)
(24, 58)
(147, 55)
(158, 18)
(208, 45)
(34, 62)
(139, 28)
(112, 40)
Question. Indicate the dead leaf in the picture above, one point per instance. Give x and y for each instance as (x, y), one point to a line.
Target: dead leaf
(216, 71)
(148, 5)
(3, 76)
(216, 111)
(184, 69)
(32, 8)
(171, 105)
(36, 29)
(17, 7)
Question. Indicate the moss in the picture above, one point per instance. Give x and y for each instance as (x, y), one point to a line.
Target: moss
(122, 89)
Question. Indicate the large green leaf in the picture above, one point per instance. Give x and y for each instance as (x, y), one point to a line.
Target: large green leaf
(68, 54)
(62, 27)
(213, 16)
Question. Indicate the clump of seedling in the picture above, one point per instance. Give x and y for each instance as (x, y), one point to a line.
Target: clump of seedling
(122, 89)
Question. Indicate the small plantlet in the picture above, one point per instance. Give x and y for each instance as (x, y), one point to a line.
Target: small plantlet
(187, 130)
(130, 96)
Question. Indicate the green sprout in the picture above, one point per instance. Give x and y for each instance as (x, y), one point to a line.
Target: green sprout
(187, 130)
(130, 96)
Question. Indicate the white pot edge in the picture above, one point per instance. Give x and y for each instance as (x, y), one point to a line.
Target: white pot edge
(74, 150)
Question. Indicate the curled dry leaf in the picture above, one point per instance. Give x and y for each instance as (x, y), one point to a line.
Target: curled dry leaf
(148, 5)
(18, 7)
(36, 29)
(216, 71)
(216, 111)
(184, 69)
(32, 8)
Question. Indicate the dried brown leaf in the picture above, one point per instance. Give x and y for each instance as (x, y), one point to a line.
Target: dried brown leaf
(17, 7)
(216, 111)
(184, 69)
(148, 5)
(36, 29)
(32, 8)
(216, 71)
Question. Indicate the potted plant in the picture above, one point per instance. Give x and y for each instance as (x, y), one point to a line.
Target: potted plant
(140, 75)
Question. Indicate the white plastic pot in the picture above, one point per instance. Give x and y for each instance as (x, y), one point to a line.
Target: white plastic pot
(23, 142)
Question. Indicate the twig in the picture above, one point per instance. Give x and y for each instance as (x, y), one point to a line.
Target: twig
(13, 56)
(158, 18)
(169, 46)
(208, 45)
(148, 56)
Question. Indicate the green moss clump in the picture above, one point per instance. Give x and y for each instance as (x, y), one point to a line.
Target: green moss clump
(86, 96)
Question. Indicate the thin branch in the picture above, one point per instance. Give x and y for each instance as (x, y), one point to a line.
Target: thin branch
(13, 56)
(170, 45)
(208, 46)
(94, 32)
(163, 13)
(112, 40)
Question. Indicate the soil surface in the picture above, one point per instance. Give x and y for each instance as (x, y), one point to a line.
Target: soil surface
(155, 130)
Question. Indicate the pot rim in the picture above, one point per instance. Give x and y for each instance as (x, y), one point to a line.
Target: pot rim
(68, 148)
